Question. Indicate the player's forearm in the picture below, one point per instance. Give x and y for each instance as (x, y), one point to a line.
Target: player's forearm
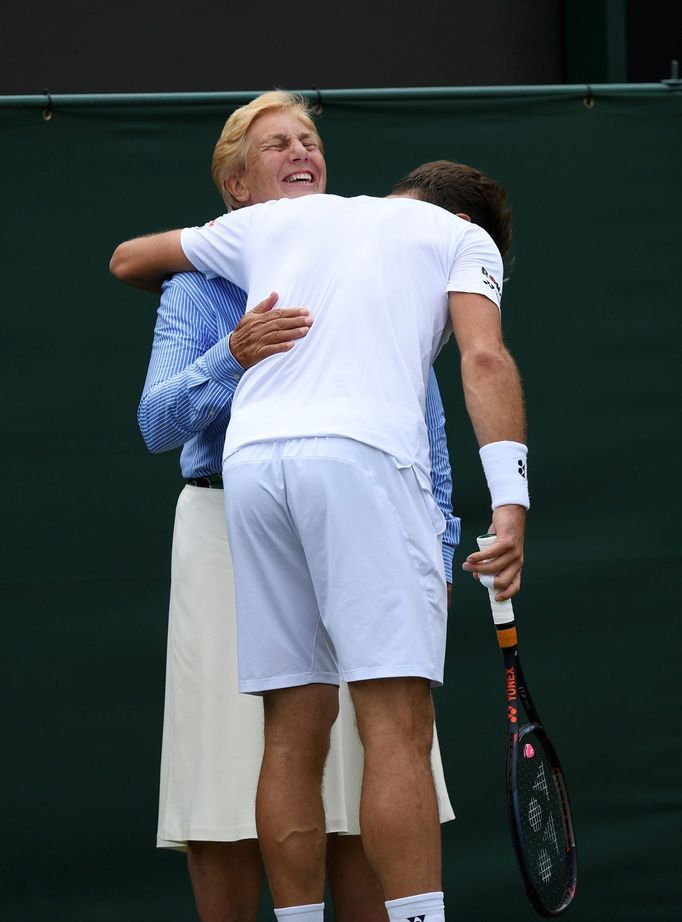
(146, 262)
(494, 400)
(127, 265)
(493, 394)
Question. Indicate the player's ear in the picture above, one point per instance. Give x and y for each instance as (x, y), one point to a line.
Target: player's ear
(238, 189)
(465, 217)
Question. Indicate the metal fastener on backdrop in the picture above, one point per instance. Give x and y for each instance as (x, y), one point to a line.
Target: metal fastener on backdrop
(47, 111)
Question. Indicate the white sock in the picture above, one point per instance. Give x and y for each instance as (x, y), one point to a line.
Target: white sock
(424, 907)
(312, 912)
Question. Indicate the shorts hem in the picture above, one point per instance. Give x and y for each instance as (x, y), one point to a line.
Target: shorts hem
(393, 672)
(258, 686)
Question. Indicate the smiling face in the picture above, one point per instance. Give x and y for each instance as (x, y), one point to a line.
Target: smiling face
(284, 161)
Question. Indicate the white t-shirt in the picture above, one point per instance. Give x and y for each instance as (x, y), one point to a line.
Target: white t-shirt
(374, 274)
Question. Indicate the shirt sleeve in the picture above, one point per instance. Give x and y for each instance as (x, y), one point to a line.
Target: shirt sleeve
(217, 248)
(192, 375)
(441, 477)
(478, 266)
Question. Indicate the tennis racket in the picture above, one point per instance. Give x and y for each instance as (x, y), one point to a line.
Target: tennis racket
(539, 811)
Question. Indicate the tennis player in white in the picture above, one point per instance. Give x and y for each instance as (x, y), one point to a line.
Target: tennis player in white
(326, 455)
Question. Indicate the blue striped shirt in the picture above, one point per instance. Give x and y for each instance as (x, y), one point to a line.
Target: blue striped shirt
(192, 378)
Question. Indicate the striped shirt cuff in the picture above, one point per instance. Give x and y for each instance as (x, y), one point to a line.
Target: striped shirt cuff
(221, 364)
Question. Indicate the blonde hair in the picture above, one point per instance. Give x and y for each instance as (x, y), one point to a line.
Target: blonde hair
(231, 153)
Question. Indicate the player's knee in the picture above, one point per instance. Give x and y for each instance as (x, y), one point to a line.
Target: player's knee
(300, 719)
(394, 713)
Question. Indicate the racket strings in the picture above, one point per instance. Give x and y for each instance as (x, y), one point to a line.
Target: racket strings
(543, 834)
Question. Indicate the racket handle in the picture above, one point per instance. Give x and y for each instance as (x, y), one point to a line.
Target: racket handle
(503, 612)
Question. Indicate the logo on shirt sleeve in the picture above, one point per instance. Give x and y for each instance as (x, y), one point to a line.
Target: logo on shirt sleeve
(490, 281)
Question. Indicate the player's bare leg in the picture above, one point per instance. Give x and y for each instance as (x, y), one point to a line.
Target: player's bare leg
(227, 879)
(355, 888)
(398, 808)
(289, 811)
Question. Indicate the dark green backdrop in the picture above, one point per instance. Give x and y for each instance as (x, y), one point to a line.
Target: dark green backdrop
(591, 313)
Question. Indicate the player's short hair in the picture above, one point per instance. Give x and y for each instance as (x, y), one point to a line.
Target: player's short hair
(462, 189)
(231, 153)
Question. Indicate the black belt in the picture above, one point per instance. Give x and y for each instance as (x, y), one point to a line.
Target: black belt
(214, 481)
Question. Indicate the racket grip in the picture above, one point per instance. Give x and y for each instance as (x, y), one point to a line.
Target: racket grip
(503, 612)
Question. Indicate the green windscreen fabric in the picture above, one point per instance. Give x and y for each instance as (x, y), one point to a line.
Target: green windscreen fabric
(591, 314)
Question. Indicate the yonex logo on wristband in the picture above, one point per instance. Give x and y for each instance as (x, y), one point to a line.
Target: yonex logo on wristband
(505, 468)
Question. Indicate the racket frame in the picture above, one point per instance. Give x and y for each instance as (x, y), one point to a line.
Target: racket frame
(518, 697)
(516, 731)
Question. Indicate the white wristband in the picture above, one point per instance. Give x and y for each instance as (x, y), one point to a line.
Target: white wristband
(506, 470)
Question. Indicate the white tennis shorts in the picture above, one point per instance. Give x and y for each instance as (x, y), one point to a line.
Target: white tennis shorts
(212, 735)
(338, 565)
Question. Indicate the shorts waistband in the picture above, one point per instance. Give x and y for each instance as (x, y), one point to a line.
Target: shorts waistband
(213, 481)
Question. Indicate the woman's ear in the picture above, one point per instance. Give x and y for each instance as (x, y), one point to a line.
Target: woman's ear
(237, 189)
